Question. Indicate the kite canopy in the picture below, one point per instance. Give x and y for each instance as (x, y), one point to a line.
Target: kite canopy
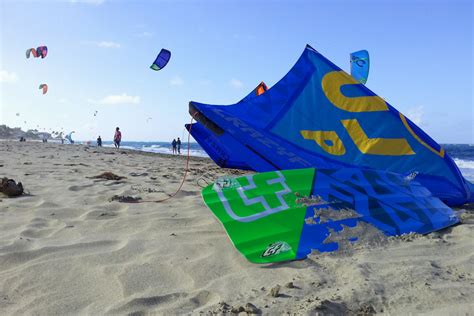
(226, 151)
(68, 137)
(360, 64)
(44, 86)
(31, 51)
(284, 215)
(161, 60)
(42, 51)
(261, 88)
(319, 116)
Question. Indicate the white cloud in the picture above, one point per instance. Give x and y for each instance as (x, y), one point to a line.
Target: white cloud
(94, 2)
(236, 83)
(415, 114)
(8, 77)
(145, 34)
(107, 44)
(176, 81)
(118, 99)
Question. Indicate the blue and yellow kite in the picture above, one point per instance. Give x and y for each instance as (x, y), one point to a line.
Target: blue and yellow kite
(318, 116)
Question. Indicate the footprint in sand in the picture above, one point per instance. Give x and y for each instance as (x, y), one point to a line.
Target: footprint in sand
(76, 188)
(142, 304)
(203, 298)
(101, 215)
(40, 228)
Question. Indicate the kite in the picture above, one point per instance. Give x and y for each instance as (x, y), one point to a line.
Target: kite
(224, 149)
(68, 137)
(161, 60)
(360, 64)
(42, 51)
(17, 114)
(148, 119)
(318, 116)
(31, 51)
(95, 113)
(284, 215)
(261, 88)
(44, 86)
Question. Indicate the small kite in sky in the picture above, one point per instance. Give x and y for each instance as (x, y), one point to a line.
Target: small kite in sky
(161, 60)
(44, 86)
(30, 51)
(360, 64)
(41, 51)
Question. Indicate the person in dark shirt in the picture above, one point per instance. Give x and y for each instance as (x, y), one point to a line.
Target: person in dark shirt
(178, 143)
(99, 141)
(173, 145)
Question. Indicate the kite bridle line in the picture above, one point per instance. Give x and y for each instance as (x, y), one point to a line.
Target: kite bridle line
(184, 177)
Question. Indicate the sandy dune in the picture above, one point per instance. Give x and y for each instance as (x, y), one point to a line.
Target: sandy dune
(67, 249)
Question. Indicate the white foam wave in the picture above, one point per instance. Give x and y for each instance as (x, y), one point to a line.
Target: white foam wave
(464, 164)
(163, 150)
(166, 150)
(466, 167)
(121, 147)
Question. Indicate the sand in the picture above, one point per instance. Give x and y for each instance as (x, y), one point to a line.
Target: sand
(67, 249)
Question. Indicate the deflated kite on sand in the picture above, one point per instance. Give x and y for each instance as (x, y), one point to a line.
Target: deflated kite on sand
(320, 132)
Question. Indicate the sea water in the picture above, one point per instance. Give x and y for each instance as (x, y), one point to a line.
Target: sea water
(161, 147)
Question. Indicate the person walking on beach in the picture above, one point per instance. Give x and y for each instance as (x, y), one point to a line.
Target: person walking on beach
(117, 137)
(173, 145)
(99, 141)
(178, 143)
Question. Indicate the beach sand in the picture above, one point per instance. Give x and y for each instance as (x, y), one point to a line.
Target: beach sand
(67, 249)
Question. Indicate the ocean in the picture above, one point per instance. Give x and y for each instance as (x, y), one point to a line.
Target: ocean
(160, 147)
(462, 154)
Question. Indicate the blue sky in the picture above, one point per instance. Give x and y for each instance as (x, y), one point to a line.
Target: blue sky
(100, 52)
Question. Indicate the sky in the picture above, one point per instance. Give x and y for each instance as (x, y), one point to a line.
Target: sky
(100, 51)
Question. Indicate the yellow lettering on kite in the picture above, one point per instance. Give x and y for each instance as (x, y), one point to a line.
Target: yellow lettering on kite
(323, 137)
(376, 146)
(332, 83)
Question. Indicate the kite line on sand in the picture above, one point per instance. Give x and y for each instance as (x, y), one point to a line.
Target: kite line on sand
(182, 182)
